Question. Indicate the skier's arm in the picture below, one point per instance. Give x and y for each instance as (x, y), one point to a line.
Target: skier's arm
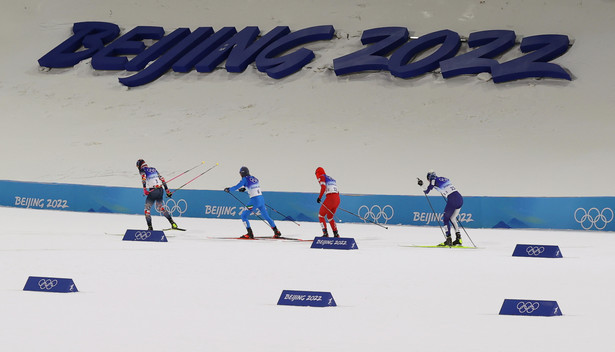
(242, 183)
(429, 188)
(323, 186)
(166, 188)
(164, 183)
(143, 180)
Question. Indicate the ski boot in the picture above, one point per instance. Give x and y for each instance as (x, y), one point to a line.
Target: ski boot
(248, 235)
(447, 243)
(150, 228)
(276, 232)
(174, 226)
(457, 241)
(325, 233)
(335, 234)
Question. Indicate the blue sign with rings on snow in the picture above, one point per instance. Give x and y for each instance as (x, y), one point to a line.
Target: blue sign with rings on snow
(334, 243)
(530, 307)
(306, 299)
(145, 236)
(50, 284)
(537, 250)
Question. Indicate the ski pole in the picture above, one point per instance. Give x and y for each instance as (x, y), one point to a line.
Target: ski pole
(432, 210)
(330, 212)
(461, 225)
(252, 211)
(285, 216)
(183, 173)
(466, 232)
(364, 219)
(201, 174)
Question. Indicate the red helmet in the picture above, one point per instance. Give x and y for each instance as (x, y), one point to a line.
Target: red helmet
(320, 171)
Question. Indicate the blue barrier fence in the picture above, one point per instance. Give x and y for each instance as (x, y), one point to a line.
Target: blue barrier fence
(571, 213)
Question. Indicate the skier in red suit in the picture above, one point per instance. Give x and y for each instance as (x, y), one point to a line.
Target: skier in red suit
(328, 188)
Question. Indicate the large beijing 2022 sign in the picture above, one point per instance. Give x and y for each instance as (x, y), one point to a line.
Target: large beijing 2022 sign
(390, 49)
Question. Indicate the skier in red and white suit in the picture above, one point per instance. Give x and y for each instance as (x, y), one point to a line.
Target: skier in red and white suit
(153, 184)
(328, 187)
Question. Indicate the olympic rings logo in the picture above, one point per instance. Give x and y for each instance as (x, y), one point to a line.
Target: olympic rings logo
(593, 218)
(534, 250)
(176, 208)
(142, 235)
(47, 284)
(527, 307)
(376, 213)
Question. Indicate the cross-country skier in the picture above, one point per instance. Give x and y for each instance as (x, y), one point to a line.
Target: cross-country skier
(328, 187)
(153, 184)
(250, 183)
(454, 202)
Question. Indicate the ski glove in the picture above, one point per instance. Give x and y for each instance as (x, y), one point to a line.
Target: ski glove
(146, 192)
(169, 193)
(318, 200)
(242, 189)
(420, 182)
(227, 190)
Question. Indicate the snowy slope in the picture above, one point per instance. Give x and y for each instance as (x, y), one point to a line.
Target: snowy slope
(199, 293)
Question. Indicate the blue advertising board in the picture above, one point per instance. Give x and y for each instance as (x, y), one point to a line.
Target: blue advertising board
(144, 236)
(570, 213)
(50, 284)
(334, 243)
(530, 307)
(306, 298)
(537, 251)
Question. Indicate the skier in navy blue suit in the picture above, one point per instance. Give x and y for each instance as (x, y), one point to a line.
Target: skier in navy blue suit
(250, 183)
(454, 202)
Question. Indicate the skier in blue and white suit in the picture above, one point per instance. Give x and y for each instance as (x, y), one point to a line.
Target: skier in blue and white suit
(250, 183)
(454, 202)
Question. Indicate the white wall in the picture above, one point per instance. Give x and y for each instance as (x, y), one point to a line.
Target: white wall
(373, 132)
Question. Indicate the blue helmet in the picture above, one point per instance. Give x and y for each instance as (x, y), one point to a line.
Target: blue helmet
(244, 171)
(431, 175)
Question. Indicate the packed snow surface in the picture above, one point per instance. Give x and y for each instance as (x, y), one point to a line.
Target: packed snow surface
(199, 292)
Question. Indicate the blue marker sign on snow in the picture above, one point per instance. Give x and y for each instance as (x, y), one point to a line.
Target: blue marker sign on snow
(530, 307)
(145, 235)
(306, 298)
(537, 250)
(334, 243)
(50, 284)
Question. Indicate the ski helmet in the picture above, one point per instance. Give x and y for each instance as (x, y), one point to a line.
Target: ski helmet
(140, 163)
(320, 171)
(431, 175)
(244, 171)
